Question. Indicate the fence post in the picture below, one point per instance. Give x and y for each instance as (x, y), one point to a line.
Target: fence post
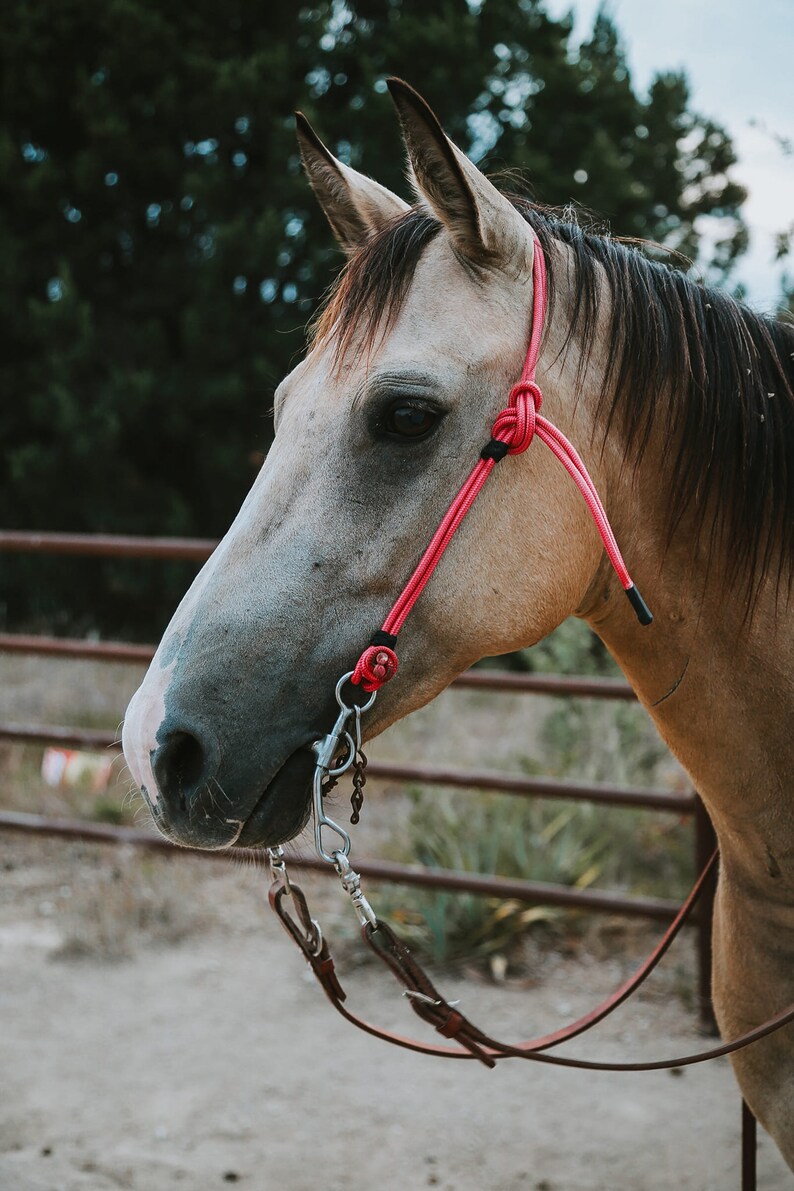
(749, 1149)
(705, 843)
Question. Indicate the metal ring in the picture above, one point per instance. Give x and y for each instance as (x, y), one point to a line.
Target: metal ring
(349, 759)
(315, 940)
(328, 824)
(361, 707)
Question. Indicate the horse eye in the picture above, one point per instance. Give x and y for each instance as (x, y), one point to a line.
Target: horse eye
(410, 421)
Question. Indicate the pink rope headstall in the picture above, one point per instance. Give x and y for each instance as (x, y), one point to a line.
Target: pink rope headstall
(513, 431)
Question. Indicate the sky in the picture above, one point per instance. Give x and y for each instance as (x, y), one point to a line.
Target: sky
(739, 60)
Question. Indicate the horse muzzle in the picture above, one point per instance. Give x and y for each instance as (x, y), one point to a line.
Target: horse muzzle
(198, 805)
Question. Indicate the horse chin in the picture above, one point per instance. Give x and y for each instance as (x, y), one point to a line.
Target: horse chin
(284, 806)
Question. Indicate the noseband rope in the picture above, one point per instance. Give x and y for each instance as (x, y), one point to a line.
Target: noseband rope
(512, 432)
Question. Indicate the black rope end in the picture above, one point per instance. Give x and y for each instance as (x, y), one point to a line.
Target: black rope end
(495, 449)
(383, 638)
(644, 614)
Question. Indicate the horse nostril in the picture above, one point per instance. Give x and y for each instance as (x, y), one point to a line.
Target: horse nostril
(180, 767)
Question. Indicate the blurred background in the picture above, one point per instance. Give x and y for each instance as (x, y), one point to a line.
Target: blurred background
(161, 252)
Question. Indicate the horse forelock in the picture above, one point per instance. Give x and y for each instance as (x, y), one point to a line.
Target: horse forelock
(370, 291)
(716, 378)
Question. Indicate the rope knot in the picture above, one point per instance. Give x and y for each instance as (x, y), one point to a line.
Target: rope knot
(526, 390)
(375, 667)
(516, 424)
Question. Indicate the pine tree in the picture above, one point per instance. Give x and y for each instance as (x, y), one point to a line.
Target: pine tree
(161, 252)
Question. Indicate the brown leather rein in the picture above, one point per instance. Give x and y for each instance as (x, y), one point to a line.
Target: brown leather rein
(469, 1041)
(446, 1018)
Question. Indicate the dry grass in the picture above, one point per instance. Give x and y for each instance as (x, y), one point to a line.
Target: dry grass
(129, 902)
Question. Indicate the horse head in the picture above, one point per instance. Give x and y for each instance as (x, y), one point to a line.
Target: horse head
(375, 430)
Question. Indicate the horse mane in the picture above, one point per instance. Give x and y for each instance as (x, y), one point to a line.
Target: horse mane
(717, 377)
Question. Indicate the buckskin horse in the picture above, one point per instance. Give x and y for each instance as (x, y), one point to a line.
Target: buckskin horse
(682, 402)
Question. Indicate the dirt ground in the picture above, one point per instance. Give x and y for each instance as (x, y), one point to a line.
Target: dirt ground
(214, 1059)
(159, 1030)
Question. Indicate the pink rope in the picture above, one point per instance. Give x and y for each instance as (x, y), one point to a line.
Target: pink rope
(515, 427)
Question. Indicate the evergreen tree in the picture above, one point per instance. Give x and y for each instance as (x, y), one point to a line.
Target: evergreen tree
(161, 252)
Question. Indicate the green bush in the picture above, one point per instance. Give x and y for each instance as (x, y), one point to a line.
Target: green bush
(577, 844)
(162, 253)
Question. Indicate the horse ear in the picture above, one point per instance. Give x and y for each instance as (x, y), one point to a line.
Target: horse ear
(485, 227)
(355, 206)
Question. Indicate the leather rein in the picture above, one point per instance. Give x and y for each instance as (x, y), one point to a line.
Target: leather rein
(289, 903)
(340, 751)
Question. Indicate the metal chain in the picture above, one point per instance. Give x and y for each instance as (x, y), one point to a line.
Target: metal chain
(359, 782)
(328, 785)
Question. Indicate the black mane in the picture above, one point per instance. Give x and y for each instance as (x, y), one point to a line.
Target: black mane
(718, 377)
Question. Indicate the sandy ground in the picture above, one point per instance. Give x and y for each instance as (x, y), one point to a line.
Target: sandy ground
(159, 1030)
(214, 1058)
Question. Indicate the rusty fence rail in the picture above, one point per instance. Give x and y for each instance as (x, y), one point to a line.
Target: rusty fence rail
(483, 680)
(108, 546)
(101, 545)
(509, 888)
(426, 775)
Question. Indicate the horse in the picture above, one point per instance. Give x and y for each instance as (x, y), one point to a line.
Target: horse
(682, 401)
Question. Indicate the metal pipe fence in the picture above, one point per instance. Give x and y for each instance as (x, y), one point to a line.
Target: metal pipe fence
(506, 888)
(102, 545)
(427, 775)
(485, 680)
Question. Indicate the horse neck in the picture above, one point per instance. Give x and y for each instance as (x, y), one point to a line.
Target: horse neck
(715, 680)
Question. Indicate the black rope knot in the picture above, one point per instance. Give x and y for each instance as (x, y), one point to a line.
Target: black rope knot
(495, 449)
